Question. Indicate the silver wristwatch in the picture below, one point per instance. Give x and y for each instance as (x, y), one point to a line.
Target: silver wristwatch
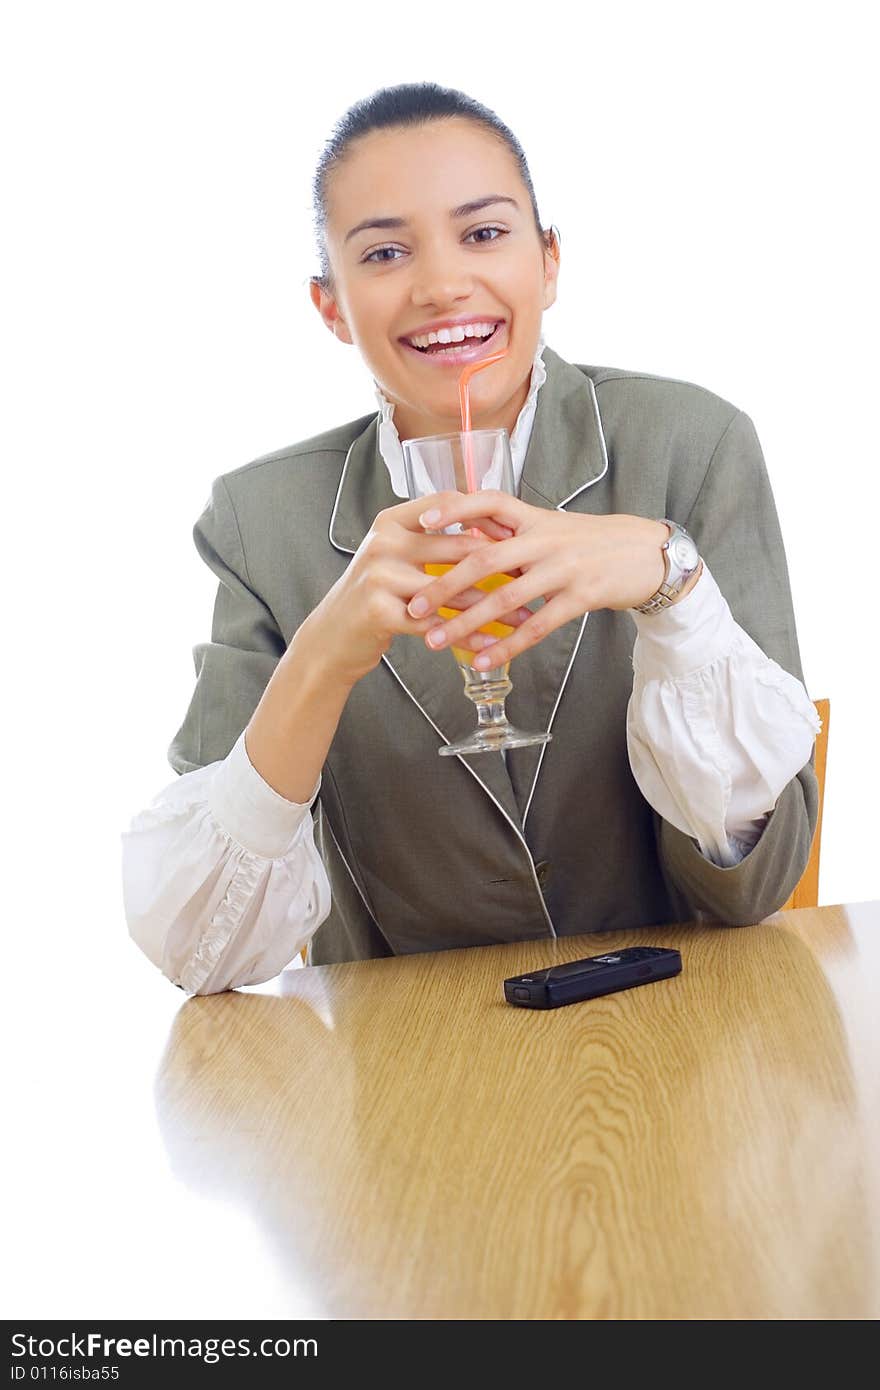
(681, 558)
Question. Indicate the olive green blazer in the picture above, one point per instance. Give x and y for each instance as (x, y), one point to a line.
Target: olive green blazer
(425, 853)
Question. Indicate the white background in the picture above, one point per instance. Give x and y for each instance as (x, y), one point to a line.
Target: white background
(712, 169)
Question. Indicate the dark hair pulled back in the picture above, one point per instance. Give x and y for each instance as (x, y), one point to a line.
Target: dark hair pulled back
(409, 104)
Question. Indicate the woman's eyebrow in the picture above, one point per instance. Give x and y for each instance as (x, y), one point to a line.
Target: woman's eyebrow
(466, 210)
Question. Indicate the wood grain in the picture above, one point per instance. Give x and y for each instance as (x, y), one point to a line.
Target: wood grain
(413, 1147)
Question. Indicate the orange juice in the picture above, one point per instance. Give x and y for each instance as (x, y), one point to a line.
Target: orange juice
(492, 629)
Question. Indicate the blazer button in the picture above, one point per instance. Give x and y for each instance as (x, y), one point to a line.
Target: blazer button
(542, 869)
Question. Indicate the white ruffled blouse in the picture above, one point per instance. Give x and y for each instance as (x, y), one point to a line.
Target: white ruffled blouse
(223, 883)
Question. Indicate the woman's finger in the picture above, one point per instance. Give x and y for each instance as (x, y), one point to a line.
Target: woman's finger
(551, 616)
(475, 642)
(468, 597)
(469, 508)
(539, 580)
(491, 529)
(481, 569)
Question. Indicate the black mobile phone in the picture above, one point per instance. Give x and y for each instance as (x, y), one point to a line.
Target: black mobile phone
(586, 979)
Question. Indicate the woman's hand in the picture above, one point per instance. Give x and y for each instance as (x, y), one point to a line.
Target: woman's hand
(357, 620)
(576, 563)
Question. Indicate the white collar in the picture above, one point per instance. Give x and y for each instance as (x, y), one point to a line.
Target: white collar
(389, 440)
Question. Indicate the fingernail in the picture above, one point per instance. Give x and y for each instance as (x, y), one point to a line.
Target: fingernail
(428, 518)
(484, 660)
(437, 637)
(419, 606)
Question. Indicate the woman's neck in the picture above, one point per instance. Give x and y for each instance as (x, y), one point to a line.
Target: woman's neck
(412, 424)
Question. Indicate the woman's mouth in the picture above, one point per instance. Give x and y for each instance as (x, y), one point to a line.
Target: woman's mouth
(455, 354)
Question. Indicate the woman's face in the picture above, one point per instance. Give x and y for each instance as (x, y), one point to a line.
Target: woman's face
(441, 261)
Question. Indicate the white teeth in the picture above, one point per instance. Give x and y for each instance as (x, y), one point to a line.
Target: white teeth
(453, 335)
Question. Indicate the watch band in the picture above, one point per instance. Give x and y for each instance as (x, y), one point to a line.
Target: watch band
(669, 589)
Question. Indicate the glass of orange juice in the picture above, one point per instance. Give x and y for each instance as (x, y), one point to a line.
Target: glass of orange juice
(471, 461)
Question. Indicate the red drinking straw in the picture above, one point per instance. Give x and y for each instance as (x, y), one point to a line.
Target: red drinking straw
(464, 398)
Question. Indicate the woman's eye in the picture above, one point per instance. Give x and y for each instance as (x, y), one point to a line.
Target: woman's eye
(502, 231)
(379, 256)
(379, 252)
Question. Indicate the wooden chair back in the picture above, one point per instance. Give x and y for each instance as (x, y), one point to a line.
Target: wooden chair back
(806, 893)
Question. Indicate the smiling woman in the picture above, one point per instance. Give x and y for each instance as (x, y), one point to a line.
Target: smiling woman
(482, 261)
(311, 806)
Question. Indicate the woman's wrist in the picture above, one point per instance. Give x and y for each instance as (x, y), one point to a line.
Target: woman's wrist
(291, 729)
(682, 638)
(310, 651)
(691, 584)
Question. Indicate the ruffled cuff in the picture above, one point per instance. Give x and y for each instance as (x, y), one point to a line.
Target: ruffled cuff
(224, 923)
(250, 811)
(712, 750)
(688, 635)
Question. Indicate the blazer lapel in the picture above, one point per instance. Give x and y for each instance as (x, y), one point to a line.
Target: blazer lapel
(566, 455)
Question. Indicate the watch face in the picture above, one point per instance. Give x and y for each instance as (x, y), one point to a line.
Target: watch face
(684, 553)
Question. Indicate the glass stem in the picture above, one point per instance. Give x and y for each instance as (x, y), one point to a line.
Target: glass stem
(491, 714)
(488, 690)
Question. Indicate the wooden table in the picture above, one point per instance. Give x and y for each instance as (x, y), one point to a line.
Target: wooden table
(412, 1147)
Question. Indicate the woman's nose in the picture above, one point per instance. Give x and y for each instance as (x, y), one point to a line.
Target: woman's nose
(439, 281)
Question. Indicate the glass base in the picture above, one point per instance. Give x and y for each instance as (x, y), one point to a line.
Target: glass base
(493, 739)
(488, 690)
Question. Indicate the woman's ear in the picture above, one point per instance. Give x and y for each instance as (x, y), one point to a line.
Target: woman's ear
(327, 307)
(551, 264)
